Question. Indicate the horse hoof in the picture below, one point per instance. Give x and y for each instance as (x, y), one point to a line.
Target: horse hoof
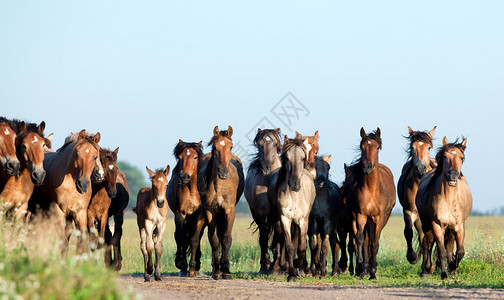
(424, 275)
(192, 273)
(146, 278)
(157, 278)
(372, 277)
(150, 270)
(182, 273)
(292, 278)
(226, 276)
(444, 276)
(412, 258)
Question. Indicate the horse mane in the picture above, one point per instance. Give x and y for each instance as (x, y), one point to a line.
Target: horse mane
(73, 139)
(417, 136)
(440, 158)
(11, 124)
(256, 161)
(223, 133)
(180, 147)
(15, 125)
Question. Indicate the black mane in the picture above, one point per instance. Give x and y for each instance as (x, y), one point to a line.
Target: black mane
(417, 136)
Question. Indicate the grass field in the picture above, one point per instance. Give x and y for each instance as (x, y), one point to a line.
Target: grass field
(482, 266)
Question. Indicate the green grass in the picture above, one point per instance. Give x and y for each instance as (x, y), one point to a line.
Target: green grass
(482, 266)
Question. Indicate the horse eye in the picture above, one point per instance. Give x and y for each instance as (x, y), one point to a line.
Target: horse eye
(463, 158)
(25, 147)
(195, 158)
(96, 158)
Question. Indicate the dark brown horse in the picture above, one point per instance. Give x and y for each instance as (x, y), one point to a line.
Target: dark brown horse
(152, 214)
(185, 202)
(370, 190)
(444, 202)
(266, 162)
(419, 162)
(8, 158)
(17, 190)
(110, 199)
(220, 183)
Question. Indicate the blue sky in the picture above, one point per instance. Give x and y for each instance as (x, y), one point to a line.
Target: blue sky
(145, 74)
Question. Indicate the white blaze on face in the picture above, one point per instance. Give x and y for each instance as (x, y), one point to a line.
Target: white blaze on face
(34, 140)
(188, 152)
(369, 142)
(161, 179)
(420, 143)
(6, 132)
(267, 139)
(87, 150)
(454, 152)
(308, 148)
(222, 143)
(111, 167)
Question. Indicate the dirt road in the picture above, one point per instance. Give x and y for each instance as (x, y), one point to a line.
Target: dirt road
(204, 287)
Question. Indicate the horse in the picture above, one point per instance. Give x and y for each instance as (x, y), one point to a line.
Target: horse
(152, 216)
(444, 202)
(313, 149)
(185, 202)
(371, 193)
(418, 164)
(110, 199)
(17, 190)
(345, 226)
(266, 162)
(8, 158)
(323, 217)
(296, 193)
(66, 189)
(220, 184)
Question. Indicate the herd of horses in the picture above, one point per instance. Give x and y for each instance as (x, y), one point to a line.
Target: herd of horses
(287, 188)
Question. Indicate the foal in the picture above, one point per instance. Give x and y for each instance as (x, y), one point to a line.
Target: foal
(152, 213)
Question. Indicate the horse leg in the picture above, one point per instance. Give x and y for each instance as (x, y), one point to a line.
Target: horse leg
(459, 238)
(286, 225)
(195, 247)
(81, 224)
(93, 232)
(439, 236)
(359, 224)
(108, 247)
(374, 234)
(180, 256)
(263, 243)
(227, 239)
(214, 243)
(116, 239)
(418, 226)
(408, 234)
(340, 265)
(159, 249)
(275, 267)
(325, 252)
(312, 239)
(147, 246)
(301, 249)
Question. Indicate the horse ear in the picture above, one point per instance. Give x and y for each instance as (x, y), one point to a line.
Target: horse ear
(378, 132)
(230, 131)
(464, 142)
(22, 126)
(200, 143)
(362, 133)
(286, 139)
(431, 133)
(259, 130)
(97, 137)
(410, 130)
(41, 126)
(167, 170)
(216, 131)
(115, 152)
(151, 174)
(277, 131)
(180, 141)
(298, 135)
(315, 136)
(445, 141)
(327, 159)
(50, 137)
(82, 134)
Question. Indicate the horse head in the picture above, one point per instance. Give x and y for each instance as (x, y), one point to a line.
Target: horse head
(322, 166)
(108, 160)
(188, 156)
(8, 159)
(86, 156)
(30, 145)
(294, 158)
(450, 159)
(221, 150)
(419, 149)
(268, 144)
(369, 146)
(159, 183)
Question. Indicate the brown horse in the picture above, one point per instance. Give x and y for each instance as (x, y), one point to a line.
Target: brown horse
(419, 162)
(8, 158)
(313, 149)
(296, 193)
(66, 189)
(444, 202)
(264, 212)
(323, 218)
(30, 143)
(152, 216)
(110, 198)
(371, 193)
(220, 183)
(185, 202)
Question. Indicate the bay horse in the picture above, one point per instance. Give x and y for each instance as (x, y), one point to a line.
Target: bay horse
(152, 216)
(8, 158)
(185, 202)
(296, 193)
(323, 217)
(109, 199)
(17, 190)
(444, 202)
(220, 183)
(313, 149)
(266, 162)
(66, 190)
(372, 196)
(418, 164)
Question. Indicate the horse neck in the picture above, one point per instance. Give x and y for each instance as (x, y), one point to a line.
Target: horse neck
(62, 161)
(372, 179)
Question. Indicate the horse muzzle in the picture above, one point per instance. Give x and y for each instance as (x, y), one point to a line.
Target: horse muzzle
(184, 179)
(367, 167)
(82, 185)
(38, 176)
(11, 166)
(265, 168)
(421, 169)
(160, 202)
(453, 176)
(97, 176)
(223, 173)
(295, 184)
(320, 182)
(111, 192)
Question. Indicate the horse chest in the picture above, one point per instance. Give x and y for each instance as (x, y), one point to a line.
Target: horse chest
(188, 203)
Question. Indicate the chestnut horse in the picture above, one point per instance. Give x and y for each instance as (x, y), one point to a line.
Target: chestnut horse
(8, 158)
(444, 202)
(220, 183)
(296, 193)
(110, 198)
(264, 212)
(313, 149)
(419, 162)
(323, 218)
(152, 216)
(185, 202)
(30, 143)
(371, 194)
(66, 189)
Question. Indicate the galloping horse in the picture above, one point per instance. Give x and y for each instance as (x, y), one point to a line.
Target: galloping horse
(185, 202)
(419, 162)
(444, 202)
(220, 183)
(266, 162)
(295, 192)
(66, 189)
(152, 216)
(323, 217)
(8, 158)
(30, 143)
(371, 193)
